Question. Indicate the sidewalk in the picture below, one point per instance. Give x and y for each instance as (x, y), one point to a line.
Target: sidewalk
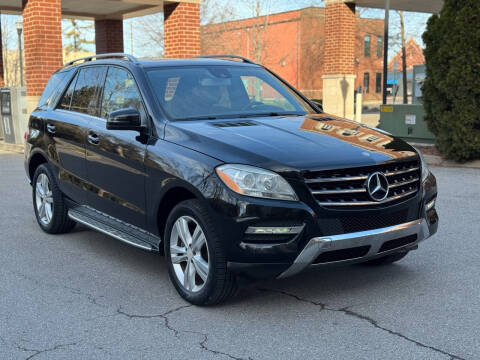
(15, 148)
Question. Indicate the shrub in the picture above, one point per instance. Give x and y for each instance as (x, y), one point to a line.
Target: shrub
(451, 92)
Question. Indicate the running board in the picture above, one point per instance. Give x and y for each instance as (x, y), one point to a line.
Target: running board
(115, 228)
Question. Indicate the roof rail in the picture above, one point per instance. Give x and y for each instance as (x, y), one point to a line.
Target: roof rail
(225, 56)
(103, 56)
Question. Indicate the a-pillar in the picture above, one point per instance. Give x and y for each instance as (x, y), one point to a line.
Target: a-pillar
(181, 29)
(339, 58)
(109, 36)
(42, 31)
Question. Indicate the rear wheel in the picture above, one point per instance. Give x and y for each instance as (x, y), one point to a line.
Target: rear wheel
(49, 206)
(196, 257)
(388, 259)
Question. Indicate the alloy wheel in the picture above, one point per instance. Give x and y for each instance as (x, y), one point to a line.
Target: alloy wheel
(189, 253)
(44, 199)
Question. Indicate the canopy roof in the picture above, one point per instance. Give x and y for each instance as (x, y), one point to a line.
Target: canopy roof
(98, 9)
(427, 6)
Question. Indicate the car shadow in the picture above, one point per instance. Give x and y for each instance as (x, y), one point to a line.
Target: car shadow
(333, 282)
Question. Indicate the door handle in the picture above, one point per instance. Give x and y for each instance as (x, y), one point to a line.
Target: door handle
(51, 128)
(93, 138)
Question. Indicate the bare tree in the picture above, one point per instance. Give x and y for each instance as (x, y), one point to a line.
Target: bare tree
(76, 33)
(11, 64)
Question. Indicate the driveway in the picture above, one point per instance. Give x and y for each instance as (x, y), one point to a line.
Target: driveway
(87, 296)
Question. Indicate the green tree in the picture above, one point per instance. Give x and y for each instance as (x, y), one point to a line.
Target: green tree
(76, 33)
(451, 92)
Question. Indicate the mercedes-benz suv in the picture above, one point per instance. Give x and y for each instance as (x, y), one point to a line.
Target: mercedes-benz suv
(224, 168)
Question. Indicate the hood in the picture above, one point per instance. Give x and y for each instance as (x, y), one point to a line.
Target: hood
(284, 143)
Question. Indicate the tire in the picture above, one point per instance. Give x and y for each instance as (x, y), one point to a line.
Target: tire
(208, 287)
(45, 191)
(387, 260)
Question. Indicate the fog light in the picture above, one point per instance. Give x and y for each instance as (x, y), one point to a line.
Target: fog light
(430, 205)
(274, 230)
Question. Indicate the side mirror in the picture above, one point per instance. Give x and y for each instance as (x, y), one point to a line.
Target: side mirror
(124, 119)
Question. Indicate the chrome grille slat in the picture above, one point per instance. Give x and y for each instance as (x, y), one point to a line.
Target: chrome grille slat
(366, 203)
(400, 172)
(346, 178)
(342, 191)
(406, 182)
(347, 187)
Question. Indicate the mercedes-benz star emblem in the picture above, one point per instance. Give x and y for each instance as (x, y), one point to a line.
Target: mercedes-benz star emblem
(377, 186)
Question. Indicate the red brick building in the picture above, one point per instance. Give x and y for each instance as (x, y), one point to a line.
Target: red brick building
(292, 44)
(414, 56)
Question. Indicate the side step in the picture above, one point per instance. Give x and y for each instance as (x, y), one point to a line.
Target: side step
(115, 228)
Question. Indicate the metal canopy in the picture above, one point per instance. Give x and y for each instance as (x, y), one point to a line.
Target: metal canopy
(98, 9)
(427, 6)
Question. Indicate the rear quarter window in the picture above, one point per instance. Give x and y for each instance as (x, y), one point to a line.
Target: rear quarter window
(54, 88)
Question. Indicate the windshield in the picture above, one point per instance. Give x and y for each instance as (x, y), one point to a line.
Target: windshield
(210, 92)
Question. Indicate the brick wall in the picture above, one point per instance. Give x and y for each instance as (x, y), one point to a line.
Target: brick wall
(109, 36)
(181, 30)
(42, 41)
(339, 55)
(372, 64)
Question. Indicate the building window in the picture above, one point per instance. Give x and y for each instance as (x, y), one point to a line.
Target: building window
(366, 82)
(379, 46)
(378, 83)
(366, 50)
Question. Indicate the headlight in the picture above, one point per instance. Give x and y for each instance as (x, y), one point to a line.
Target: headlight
(252, 181)
(424, 166)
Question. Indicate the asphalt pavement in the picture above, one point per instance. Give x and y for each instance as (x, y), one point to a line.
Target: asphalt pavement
(85, 295)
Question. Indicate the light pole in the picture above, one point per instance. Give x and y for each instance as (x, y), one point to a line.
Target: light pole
(20, 52)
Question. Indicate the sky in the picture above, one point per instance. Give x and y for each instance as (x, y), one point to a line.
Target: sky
(415, 22)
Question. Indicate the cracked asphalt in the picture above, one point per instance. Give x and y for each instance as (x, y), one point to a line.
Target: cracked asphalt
(87, 296)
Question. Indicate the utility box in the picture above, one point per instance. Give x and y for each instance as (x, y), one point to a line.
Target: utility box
(406, 122)
(13, 113)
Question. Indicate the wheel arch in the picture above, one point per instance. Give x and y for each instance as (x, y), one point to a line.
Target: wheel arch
(171, 198)
(35, 161)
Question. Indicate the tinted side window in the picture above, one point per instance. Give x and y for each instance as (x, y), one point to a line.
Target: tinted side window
(54, 87)
(87, 89)
(67, 97)
(120, 92)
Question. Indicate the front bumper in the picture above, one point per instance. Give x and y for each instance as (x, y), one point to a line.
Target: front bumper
(372, 243)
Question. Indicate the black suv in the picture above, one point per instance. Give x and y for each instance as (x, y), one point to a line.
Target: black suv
(224, 168)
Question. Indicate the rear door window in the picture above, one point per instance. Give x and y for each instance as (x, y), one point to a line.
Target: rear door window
(88, 87)
(67, 97)
(54, 88)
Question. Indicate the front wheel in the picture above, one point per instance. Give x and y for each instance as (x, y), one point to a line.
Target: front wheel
(48, 204)
(195, 256)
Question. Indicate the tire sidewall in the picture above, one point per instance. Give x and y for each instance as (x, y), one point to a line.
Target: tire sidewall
(182, 209)
(56, 195)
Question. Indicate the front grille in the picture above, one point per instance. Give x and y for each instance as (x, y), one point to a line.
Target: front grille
(347, 187)
(368, 222)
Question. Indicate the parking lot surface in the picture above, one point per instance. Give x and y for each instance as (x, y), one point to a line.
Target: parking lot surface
(85, 295)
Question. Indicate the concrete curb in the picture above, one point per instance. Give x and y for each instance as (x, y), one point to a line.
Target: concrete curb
(435, 160)
(16, 148)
